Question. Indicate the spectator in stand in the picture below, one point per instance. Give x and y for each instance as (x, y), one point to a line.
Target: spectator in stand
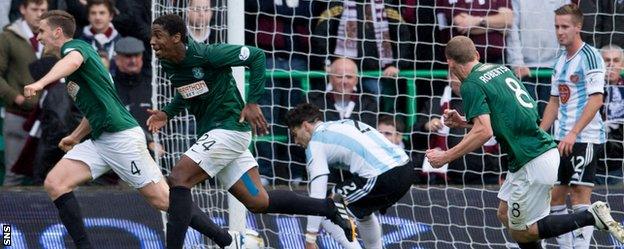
(198, 20)
(100, 32)
(57, 117)
(473, 168)
(78, 8)
(341, 99)
(486, 22)
(18, 48)
(134, 19)
(614, 112)
(281, 29)
(421, 18)
(133, 83)
(372, 34)
(602, 23)
(532, 44)
(392, 129)
(5, 7)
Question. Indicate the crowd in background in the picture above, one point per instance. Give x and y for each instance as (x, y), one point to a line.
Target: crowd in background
(343, 38)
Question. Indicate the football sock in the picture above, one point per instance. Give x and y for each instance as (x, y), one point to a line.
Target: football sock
(71, 216)
(370, 231)
(582, 236)
(288, 202)
(564, 240)
(180, 203)
(555, 225)
(201, 222)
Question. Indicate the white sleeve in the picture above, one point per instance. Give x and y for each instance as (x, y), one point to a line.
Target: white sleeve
(318, 190)
(316, 160)
(594, 68)
(554, 87)
(595, 81)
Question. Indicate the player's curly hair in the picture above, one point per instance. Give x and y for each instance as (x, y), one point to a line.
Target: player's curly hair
(173, 24)
(303, 112)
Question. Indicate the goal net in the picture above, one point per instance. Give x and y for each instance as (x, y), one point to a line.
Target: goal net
(452, 208)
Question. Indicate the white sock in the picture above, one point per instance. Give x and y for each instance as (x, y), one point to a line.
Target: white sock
(370, 232)
(582, 236)
(565, 240)
(338, 234)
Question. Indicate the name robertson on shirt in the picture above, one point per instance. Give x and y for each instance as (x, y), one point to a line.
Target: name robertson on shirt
(493, 73)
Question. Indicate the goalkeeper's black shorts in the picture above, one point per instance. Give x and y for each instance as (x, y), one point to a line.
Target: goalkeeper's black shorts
(367, 195)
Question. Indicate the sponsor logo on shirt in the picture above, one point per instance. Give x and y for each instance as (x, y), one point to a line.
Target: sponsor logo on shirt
(72, 89)
(244, 53)
(198, 72)
(193, 89)
(564, 93)
(574, 78)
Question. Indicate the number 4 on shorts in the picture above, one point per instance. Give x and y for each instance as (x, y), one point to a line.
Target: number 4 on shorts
(134, 169)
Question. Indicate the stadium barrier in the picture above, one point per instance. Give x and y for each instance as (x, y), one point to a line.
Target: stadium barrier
(120, 218)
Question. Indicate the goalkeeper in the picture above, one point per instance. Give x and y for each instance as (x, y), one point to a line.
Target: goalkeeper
(382, 172)
(496, 104)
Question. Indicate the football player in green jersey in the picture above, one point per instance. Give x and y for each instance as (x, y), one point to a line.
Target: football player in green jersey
(117, 142)
(202, 77)
(496, 104)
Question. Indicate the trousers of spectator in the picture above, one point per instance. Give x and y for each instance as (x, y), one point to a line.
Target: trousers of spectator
(14, 139)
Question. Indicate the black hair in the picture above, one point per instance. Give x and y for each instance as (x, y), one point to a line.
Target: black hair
(173, 24)
(303, 112)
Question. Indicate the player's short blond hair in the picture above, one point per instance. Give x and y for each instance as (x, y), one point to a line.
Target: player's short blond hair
(573, 10)
(461, 49)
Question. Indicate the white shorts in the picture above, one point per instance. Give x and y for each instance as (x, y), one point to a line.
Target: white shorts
(125, 152)
(528, 190)
(224, 154)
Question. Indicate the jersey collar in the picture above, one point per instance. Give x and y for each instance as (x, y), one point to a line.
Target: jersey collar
(475, 67)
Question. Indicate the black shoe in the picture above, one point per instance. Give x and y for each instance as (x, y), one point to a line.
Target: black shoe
(342, 218)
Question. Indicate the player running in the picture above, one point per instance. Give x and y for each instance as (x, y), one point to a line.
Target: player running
(117, 142)
(497, 104)
(382, 172)
(202, 77)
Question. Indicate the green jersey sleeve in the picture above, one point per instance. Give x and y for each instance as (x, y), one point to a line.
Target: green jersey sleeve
(228, 55)
(175, 106)
(474, 101)
(70, 46)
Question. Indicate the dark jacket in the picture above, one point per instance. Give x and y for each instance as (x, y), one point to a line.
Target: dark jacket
(365, 109)
(325, 31)
(15, 55)
(135, 92)
(603, 22)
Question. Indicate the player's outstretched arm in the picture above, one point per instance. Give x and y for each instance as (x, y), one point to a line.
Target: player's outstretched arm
(68, 142)
(66, 66)
(157, 119)
(480, 133)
